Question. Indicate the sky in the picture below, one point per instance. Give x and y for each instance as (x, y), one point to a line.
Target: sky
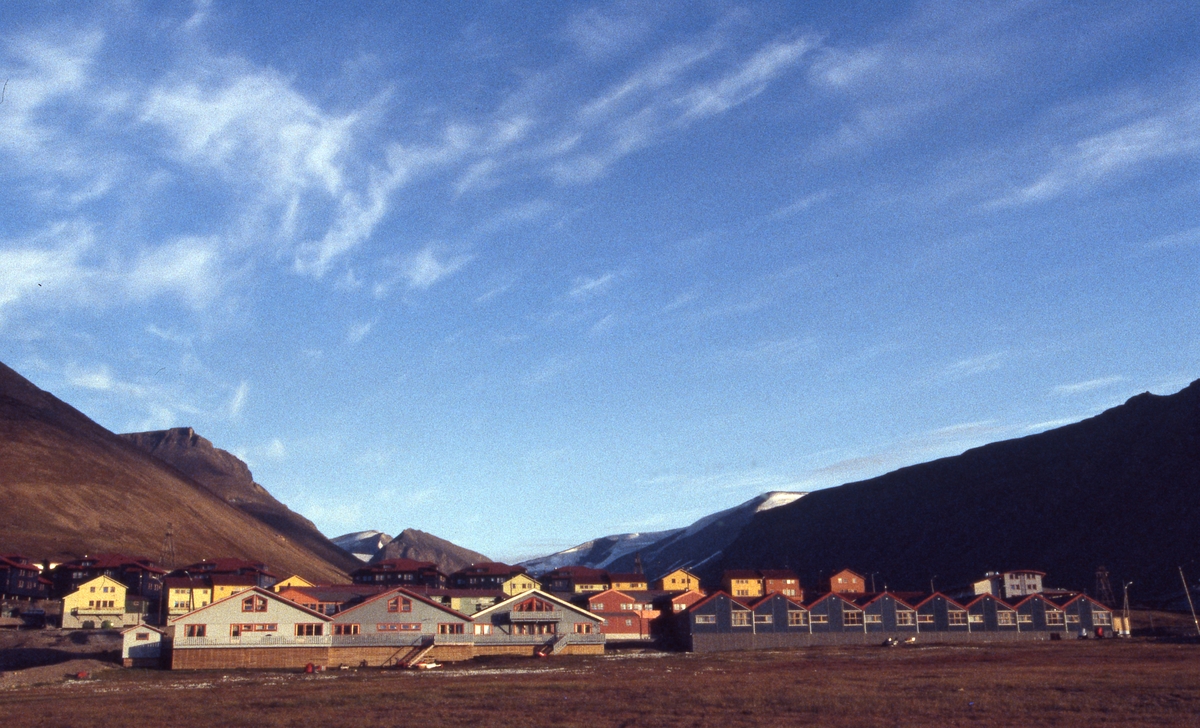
(522, 275)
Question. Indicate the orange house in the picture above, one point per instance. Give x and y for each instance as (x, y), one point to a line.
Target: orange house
(847, 582)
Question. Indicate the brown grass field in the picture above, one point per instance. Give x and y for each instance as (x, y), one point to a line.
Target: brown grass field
(1088, 683)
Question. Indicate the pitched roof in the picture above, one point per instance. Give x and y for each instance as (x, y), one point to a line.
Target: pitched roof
(490, 568)
(715, 595)
(112, 561)
(626, 577)
(260, 591)
(866, 600)
(828, 595)
(535, 593)
(933, 596)
(405, 592)
(778, 574)
(740, 574)
(772, 596)
(982, 597)
(577, 573)
(398, 565)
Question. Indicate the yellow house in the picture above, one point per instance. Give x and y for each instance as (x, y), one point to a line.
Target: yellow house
(741, 583)
(184, 594)
(96, 604)
(293, 580)
(678, 580)
(520, 583)
(226, 585)
(628, 582)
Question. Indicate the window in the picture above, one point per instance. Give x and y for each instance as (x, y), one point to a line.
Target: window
(534, 605)
(398, 627)
(399, 604)
(451, 628)
(142, 636)
(527, 628)
(236, 630)
(309, 630)
(1024, 619)
(905, 618)
(924, 619)
(819, 618)
(1005, 618)
(1072, 619)
(742, 593)
(1101, 618)
(852, 618)
(583, 628)
(740, 618)
(764, 618)
(796, 618)
(957, 617)
(483, 629)
(194, 630)
(629, 623)
(975, 618)
(345, 629)
(1053, 616)
(706, 619)
(254, 603)
(874, 619)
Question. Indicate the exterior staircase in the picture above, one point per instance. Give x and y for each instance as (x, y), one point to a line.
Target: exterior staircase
(415, 654)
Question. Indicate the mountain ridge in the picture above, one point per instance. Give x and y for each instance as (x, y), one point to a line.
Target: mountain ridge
(1120, 489)
(71, 487)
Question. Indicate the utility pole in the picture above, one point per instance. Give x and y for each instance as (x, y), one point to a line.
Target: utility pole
(1188, 593)
(1104, 592)
(1125, 611)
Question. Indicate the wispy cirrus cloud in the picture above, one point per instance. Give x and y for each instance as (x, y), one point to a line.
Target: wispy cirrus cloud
(1097, 158)
(1090, 385)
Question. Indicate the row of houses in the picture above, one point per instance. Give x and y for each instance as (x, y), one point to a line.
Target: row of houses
(259, 628)
(721, 621)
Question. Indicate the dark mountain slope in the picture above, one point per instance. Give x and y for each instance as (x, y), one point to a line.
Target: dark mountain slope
(69, 487)
(228, 478)
(1121, 489)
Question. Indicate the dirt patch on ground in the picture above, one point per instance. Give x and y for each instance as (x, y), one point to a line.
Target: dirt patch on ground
(25, 650)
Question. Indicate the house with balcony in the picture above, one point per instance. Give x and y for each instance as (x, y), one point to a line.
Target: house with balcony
(537, 623)
(98, 604)
(256, 628)
(399, 628)
(401, 572)
(139, 575)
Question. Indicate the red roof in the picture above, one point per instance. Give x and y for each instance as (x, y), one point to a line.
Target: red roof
(490, 568)
(401, 565)
(740, 574)
(933, 596)
(578, 573)
(112, 561)
(635, 578)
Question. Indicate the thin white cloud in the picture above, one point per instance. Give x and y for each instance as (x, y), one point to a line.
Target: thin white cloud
(1088, 386)
(358, 332)
(238, 401)
(1182, 239)
(585, 287)
(1097, 158)
(276, 450)
(746, 81)
(975, 365)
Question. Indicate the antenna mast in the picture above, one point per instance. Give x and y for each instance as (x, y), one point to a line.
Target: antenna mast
(1188, 593)
(1104, 592)
(166, 555)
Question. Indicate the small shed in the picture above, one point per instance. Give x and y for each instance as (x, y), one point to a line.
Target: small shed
(142, 646)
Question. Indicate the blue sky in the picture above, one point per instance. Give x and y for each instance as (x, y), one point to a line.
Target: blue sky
(523, 275)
